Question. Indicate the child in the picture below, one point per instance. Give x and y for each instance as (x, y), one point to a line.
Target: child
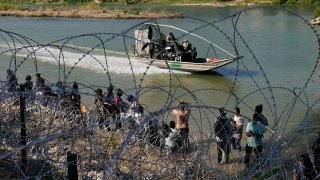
(171, 140)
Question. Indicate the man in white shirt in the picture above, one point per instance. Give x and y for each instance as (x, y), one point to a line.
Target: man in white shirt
(238, 129)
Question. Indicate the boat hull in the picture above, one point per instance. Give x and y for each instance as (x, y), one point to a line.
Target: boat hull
(187, 66)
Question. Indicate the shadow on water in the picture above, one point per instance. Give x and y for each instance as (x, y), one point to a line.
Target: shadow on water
(215, 73)
(233, 72)
(229, 72)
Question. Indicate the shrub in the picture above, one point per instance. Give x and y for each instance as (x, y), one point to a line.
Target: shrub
(316, 12)
(6, 7)
(77, 1)
(291, 2)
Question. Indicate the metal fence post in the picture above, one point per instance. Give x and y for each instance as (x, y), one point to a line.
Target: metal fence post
(23, 133)
(72, 166)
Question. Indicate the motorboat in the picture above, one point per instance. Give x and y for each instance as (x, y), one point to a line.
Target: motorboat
(152, 48)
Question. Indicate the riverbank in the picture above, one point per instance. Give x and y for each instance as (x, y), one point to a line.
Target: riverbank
(228, 3)
(83, 11)
(101, 10)
(115, 14)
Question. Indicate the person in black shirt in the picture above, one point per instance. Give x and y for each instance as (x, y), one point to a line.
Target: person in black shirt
(12, 81)
(28, 84)
(40, 83)
(222, 130)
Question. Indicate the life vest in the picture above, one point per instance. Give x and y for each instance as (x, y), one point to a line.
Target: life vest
(212, 60)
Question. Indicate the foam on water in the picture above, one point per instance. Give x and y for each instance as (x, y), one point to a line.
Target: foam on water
(116, 62)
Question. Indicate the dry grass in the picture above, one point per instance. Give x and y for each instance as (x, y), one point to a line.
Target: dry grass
(96, 147)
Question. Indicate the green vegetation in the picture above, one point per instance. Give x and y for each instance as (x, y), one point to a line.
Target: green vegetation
(295, 1)
(6, 7)
(76, 1)
(313, 3)
(316, 12)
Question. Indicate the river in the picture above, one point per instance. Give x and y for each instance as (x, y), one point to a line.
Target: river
(280, 54)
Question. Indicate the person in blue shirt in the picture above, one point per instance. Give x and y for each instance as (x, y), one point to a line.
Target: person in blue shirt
(59, 89)
(254, 132)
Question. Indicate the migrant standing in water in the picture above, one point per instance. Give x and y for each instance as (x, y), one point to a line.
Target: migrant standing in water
(182, 116)
(222, 131)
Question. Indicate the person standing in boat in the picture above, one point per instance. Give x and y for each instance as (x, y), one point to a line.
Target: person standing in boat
(187, 46)
(171, 46)
(170, 38)
(186, 51)
(182, 115)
